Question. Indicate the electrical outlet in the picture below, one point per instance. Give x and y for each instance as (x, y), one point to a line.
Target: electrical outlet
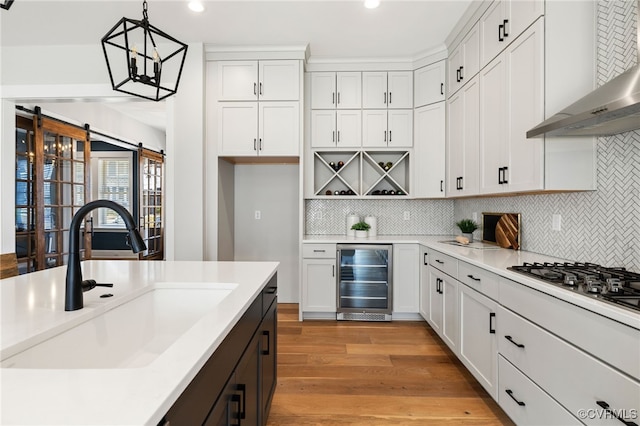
(257, 215)
(407, 215)
(556, 222)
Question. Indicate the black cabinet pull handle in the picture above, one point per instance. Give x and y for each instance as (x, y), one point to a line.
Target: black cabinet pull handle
(338, 97)
(243, 401)
(318, 251)
(607, 408)
(389, 98)
(438, 285)
(504, 26)
(461, 182)
(338, 135)
(389, 135)
(265, 333)
(458, 75)
(385, 98)
(504, 174)
(334, 136)
(473, 278)
(510, 393)
(500, 176)
(235, 399)
(424, 259)
(509, 338)
(492, 330)
(260, 144)
(333, 98)
(500, 30)
(333, 270)
(442, 88)
(254, 144)
(440, 261)
(255, 91)
(461, 75)
(385, 135)
(272, 290)
(260, 92)
(441, 183)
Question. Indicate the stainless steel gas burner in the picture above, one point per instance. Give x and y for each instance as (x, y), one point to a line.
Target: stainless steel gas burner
(613, 285)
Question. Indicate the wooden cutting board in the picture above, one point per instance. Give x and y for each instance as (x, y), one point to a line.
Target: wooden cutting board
(507, 231)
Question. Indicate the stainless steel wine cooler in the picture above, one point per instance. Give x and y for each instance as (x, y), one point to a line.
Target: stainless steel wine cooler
(364, 282)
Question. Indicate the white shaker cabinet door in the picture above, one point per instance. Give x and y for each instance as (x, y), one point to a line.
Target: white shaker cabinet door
(478, 344)
(319, 285)
(238, 133)
(323, 128)
(429, 151)
(238, 80)
(374, 128)
(323, 90)
(429, 84)
(279, 132)
(374, 90)
(348, 90)
(279, 80)
(349, 128)
(400, 128)
(400, 89)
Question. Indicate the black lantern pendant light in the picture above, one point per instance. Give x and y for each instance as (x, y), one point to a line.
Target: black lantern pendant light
(143, 61)
(6, 4)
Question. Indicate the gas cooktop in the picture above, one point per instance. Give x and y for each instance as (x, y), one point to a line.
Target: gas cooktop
(611, 285)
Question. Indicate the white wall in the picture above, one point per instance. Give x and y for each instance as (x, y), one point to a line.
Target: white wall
(7, 177)
(185, 162)
(273, 190)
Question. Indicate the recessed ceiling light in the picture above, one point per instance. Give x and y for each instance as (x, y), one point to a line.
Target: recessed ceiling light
(196, 6)
(371, 4)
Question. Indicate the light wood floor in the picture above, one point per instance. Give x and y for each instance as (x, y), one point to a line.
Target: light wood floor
(372, 373)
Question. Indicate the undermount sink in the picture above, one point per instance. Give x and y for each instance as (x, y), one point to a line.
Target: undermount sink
(130, 335)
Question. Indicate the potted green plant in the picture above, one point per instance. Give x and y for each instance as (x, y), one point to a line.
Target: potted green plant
(361, 228)
(467, 226)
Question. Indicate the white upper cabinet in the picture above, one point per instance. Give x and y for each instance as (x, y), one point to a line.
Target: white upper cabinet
(330, 90)
(464, 60)
(429, 151)
(259, 128)
(387, 89)
(511, 102)
(336, 129)
(259, 80)
(429, 84)
(387, 128)
(463, 122)
(503, 22)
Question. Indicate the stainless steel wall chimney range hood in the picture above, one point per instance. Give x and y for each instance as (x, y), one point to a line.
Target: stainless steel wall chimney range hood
(611, 109)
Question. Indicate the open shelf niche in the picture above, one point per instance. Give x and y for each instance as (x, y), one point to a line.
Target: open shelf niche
(385, 173)
(362, 174)
(331, 179)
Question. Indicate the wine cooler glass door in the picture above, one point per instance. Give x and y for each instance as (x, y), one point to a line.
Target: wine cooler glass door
(364, 279)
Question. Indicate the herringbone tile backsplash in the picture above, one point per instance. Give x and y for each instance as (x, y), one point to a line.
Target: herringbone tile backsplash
(602, 226)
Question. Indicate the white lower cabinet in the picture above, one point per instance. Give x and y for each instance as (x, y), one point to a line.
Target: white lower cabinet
(478, 343)
(424, 283)
(584, 385)
(525, 402)
(443, 306)
(319, 278)
(406, 276)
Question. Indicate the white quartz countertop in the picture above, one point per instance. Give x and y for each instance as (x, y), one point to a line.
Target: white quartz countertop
(33, 311)
(496, 260)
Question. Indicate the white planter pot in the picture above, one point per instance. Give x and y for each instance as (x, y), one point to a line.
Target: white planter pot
(362, 234)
